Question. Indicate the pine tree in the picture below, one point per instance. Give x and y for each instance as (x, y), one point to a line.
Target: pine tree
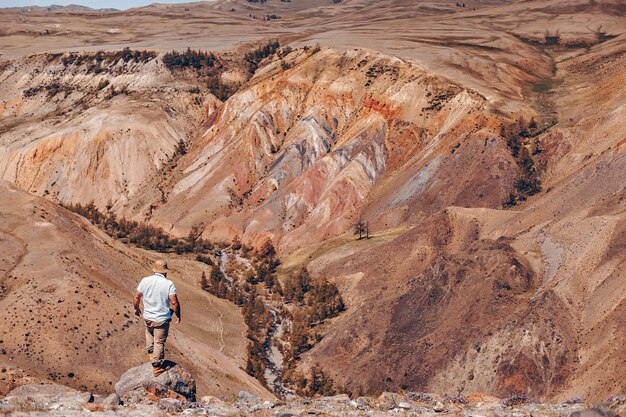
(359, 228)
(181, 148)
(319, 383)
(267, 250)
(204, 283)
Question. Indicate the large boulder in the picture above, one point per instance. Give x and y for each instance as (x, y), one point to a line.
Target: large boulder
(48, 396)
(139, 385)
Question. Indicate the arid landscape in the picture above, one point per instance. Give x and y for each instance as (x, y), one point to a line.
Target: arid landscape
(356, 196)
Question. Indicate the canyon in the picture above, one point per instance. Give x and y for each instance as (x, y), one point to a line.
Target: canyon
(483, 146)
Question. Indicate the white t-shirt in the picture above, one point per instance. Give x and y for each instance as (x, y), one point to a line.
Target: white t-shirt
(156, 290)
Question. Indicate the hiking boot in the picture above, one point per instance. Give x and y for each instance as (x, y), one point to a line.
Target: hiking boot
(158, 370)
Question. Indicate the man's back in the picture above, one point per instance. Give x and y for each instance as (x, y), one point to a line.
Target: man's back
(156, 290)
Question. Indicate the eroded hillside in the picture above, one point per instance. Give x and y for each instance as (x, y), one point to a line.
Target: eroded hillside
(93, 128)
(483, 148)
(295, 155)
(430, 302)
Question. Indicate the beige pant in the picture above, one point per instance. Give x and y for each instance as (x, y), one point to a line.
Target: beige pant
(156, 335)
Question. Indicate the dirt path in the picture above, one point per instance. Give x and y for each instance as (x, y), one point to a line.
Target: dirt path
(21, 252)
(219, 318)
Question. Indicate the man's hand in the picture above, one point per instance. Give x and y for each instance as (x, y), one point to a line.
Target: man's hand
(136, 302)
(175, 307)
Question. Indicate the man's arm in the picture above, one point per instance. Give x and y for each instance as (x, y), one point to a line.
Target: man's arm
(136, 302)
(175, 306)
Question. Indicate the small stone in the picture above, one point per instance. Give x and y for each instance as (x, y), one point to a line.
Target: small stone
(247, 398)
(209, 399)
(593, 412)
(387, 401)
(6, 408)
(438, 407)
(341, 398)
(388, 397)
(194, 411)
(221, 410)
(112, 400)
(423, 398)
(91, 407)
(364, 403)
(404, 405)
(265, 405)
(171, 404)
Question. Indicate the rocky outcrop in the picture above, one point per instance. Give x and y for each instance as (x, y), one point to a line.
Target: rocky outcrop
(387, 405)
(139, 385)
(54, 397)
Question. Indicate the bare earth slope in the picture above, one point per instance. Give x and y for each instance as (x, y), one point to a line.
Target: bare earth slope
(294, 156)
(218, 25)
(434, 303)
(486, 148)
(96, 130)
(66, 291)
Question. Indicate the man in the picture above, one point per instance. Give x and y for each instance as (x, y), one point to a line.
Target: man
(159, 301)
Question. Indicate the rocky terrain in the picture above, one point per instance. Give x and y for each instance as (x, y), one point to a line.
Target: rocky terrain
(140, 394)
(481, 144)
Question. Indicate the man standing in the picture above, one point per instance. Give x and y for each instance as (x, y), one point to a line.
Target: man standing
(159, 301)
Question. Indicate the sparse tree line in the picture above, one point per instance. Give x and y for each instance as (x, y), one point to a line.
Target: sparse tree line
(517, 137)
(55, 87)
(316, 383)
(90, 63)
(190, 58)
(207, 66)
(102, 60)
(245, 294)
(142, 235)
(254, 58)
(210, 67)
